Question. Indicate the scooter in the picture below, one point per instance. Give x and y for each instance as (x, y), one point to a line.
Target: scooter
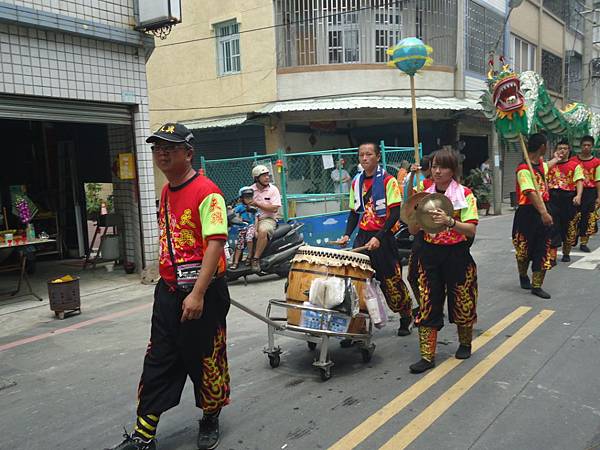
(277, 256)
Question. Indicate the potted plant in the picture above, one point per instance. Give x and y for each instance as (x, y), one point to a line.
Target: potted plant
(479, 182)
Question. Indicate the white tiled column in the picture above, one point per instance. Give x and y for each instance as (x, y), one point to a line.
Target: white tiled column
(120, 140)
(146, 185)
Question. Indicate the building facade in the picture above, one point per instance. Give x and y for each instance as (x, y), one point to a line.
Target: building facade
(73, 98)
(258, 76)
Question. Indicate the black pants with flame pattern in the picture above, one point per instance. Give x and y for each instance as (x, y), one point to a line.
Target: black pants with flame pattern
(388, 271)
(446, 272)
(195, 348)
(588, 225)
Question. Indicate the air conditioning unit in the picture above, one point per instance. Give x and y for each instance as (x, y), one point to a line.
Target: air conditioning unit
(595, 68)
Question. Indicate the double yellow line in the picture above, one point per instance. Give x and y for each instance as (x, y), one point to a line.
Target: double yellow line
(420, 423)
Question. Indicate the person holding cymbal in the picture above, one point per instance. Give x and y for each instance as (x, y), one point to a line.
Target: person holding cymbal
(445, 268)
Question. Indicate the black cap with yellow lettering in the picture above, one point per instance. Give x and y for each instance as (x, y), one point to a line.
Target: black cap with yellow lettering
(172, 132)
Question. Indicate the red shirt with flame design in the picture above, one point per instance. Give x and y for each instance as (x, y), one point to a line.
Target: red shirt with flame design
(197, 214)
(525, 182)
(565, 175)
(591, 170)
(369, 220)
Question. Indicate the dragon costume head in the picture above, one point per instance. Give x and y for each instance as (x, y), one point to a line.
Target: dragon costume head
(506, 92)
(504, 102)
(520, 104)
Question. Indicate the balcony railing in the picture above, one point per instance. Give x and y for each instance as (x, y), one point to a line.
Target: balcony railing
(314, 32)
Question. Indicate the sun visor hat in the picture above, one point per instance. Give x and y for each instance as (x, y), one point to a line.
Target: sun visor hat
(172, 132)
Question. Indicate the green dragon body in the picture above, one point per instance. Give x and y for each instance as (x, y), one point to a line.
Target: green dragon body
(520, 104)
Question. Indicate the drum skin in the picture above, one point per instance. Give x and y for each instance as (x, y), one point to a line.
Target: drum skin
(311, 263)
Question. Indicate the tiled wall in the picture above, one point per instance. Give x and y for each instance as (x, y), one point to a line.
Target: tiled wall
(53, 64)
(118, 13)
(38, 62)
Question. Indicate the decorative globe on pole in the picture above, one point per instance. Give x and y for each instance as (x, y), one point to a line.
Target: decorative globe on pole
(410, 55)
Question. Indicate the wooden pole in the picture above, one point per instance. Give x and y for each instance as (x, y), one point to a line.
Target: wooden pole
(415, 128)
(533, 177)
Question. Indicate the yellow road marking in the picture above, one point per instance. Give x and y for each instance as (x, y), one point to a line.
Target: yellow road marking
(410, 432)
(370, 425)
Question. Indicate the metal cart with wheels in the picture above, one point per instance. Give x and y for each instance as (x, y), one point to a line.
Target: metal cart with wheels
(313, 337)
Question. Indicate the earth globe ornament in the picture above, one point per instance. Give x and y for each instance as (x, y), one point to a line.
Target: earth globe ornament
(410, 55)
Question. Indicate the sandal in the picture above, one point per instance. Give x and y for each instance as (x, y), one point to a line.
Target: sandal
(233, 266)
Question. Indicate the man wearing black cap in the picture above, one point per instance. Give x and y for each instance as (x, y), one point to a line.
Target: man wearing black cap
(191, 300)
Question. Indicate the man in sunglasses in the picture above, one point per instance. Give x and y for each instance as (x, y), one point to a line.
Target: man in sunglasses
(191, 301)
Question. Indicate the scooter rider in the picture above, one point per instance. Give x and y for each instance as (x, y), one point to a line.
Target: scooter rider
(268, 201)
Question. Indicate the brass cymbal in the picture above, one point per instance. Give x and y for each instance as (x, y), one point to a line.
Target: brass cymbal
(409, 209)
(428, 204)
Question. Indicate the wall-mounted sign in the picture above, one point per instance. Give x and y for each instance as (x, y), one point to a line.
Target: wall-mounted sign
(126, 166)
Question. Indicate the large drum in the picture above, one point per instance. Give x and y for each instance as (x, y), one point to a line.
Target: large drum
(310, 263)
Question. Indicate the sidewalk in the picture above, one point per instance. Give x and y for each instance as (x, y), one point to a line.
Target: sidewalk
(99, 289)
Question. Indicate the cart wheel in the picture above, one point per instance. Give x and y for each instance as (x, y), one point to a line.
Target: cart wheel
(367, 354)
(274, 361)
(312, 345)
(346, 343)
(325, 373)
(61, 315)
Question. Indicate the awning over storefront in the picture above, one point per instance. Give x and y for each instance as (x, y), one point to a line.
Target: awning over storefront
(370, 102)
(216, 122)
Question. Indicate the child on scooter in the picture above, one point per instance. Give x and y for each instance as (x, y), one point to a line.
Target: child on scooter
(245, 236)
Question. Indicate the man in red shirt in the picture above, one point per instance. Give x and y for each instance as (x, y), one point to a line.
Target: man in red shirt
(590, 200)
(375, 200)
(565, 181)
(532, 224)
(191, 300)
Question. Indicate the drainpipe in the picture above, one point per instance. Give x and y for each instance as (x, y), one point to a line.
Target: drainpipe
(459, 72)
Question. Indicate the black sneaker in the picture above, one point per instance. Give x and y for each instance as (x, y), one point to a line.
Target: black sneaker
(208, 433)
(566, 258)
(540, 293)
(584, 248)
(421, 366)
(404, 329)
(132, 442)
(463, 352)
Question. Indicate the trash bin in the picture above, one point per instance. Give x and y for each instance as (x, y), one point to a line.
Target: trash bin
(64, 295)
(110, 248)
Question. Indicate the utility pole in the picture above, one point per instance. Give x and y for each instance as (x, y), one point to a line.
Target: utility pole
(496, 171)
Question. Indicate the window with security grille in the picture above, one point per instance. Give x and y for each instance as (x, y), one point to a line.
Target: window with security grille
(228, 48)
(552, 71)
(573, 77)
(344, 38)
(485, 29)
(559, 8)
(388, 26)
(523, 54)
(360, 31)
